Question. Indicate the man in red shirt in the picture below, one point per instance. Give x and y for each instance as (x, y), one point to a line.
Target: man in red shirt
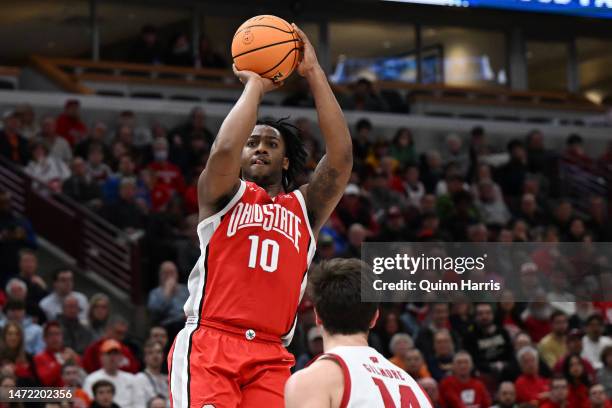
(48, 364)
(530, 387)
(460, 390)
(69, 125)
(167, 173)
(559, 391)
(115, 330)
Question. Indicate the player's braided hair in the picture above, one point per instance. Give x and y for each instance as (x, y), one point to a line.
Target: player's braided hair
(294, 149)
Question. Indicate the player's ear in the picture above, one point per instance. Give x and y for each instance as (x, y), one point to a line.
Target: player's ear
(285, 163)
(375, 319)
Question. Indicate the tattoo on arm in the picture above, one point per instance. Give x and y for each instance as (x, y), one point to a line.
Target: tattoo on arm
(324, 191)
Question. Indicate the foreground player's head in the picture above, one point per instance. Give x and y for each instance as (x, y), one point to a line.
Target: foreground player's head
(273, 154)
(335, 288)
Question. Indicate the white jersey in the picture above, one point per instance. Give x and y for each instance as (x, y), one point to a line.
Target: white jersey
(372, 381)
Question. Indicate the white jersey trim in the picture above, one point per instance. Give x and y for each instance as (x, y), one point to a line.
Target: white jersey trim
(225, 209)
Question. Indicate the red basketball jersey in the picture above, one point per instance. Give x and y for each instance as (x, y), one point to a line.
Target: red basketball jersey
(255, 255)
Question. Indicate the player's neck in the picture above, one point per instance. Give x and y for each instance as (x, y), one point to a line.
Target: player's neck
(344, 340)
(274, 189)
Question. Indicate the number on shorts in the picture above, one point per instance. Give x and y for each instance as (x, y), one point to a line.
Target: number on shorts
(268, 254)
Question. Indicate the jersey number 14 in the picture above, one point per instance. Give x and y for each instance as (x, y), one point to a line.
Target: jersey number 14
(265, 255)
(408, 399)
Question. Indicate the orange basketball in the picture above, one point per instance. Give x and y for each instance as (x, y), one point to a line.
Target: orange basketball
(267, 45)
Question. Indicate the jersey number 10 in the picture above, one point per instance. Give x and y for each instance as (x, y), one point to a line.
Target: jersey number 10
(267, 254)
(408, 399)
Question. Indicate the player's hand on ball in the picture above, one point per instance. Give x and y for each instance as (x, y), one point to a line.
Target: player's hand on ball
(247, 76)
(309, 60)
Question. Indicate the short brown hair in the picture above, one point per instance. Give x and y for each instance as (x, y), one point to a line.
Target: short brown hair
(335, 289)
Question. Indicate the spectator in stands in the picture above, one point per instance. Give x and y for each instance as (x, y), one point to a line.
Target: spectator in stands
(574, 153)
(63, 286)
(414, 189)
(512, 175)
(460, 390)
(594, 341)
(98, 315)
(362, 143)
(488, 343)
(128, 394)
(553, 346)
(180, 53)
(437, 320)
(597, 397)
(188, 249)
(604, 374)
(557, 397)
(195, 127)
(126, 213)
(207, 57)
(141, 135)
(415, 364)
(77, 336)
(430, 386)
(529, 211)
(28, 273)
(167, 300)
(15, 312)
(506, 396)
(73, 376)
(103, 395)
(399, 345)
(150, 381)
(574, 346)
(431, 170)
(147, 49)
(57, 146)
(578, 381)
(49, 362)
(13, 146)
(440, 362)
(381, 195)
(393, 228)
(167, 173)
(126, 169)
(97, 136)
(13, 351)
(402, 147)
(315, 347)
(538, 158)
(97, 170)
(492, 208)
(357, 235)
(536, 317)
(69, 124)
(28, 127)
(456, 155)
(160, 335)
(116, 329)
(16, 289)
(366, 98)
(531, 388)
(16, 235)
(47, 169)
(354, 208)
(598, 220)
(81, 187)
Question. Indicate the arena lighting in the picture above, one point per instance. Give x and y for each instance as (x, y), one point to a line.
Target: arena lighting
(584, 8)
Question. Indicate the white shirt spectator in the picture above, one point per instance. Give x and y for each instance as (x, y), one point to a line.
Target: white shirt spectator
(151, 385)
(591, 350)
(48, 170)
(127, 393)
(60, 149)
(52, 305)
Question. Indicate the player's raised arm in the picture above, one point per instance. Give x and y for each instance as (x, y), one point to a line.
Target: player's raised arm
(334, 170)
(220, 179)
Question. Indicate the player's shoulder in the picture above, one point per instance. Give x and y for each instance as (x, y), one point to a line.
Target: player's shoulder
(323, 377)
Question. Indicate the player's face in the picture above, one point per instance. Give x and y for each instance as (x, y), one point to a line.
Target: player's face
(263, 156)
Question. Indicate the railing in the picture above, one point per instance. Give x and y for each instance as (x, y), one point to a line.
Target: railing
(72, 73)
(96, 245)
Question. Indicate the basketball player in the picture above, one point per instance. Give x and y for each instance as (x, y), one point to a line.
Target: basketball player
(257, 235)
(348, 373)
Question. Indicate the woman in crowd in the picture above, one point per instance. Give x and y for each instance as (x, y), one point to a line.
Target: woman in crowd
(99, 312)
(12, 351)
(47, 169)
(578, 382)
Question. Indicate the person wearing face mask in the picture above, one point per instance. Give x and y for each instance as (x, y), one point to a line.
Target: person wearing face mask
(167, 173)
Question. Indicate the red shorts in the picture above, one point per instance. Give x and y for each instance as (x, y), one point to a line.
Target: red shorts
(213, 365)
